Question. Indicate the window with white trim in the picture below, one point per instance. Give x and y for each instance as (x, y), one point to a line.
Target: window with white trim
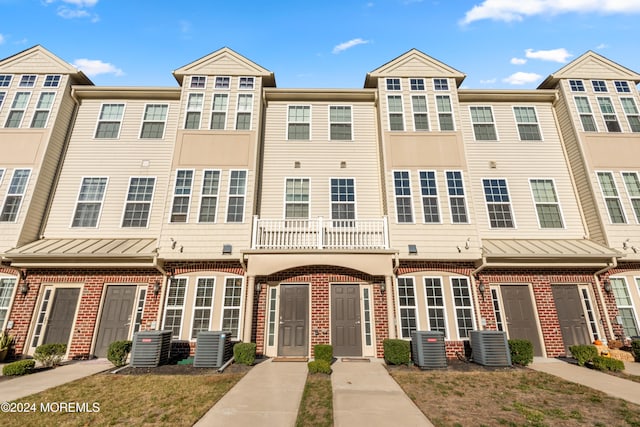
(484, 128)
(343, 201)
(202, 306)
(457, 201)
(527, 121)
(209, 198)
(429, 192)
(182, 195)
(420, 113)
(440, 84)
(609, 115)
(296, 198)
(632, 183)
(232, 305)
(435, 305)
(299, 122)
(463, 306)
(1, 175)
(393, 84)
(624, 303)
(416, 84)
(198, 82)
(611, 198)
(404, 207)
(109, 121)
(396, 115)
(138, 205)
(142, 294)
(52, 80)
(622, 86)
(547, 205)
(237, 192)
(7, 286)
(445, 112)
(631, 111)
(497, 311)
(244, 110)
(576, 85)
(222, 82)
(174, 307)
(2, 95)
(194, 111)
(496, 196)
(19, 105)
(5, 80)
(15, 195)
(407, 306)
(367, 322)
(89, 203)
(586, 114)
(599, 86)
(246, 83)
(43, 108)
(271, 330)
(153, 122)
(340, 123)
(591, 317)
(219, 111)
(28, 80)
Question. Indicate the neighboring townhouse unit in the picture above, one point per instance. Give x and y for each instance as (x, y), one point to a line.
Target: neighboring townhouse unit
(295, 217)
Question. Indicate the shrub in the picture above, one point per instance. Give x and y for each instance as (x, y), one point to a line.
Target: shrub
(397, 352)
(50, 354)
(583, 353)
(21, 367)
(244, 353)
(521, 352)
(602, 363)
(319, 366)
(323, 352)
(118, 352)
(635, 348)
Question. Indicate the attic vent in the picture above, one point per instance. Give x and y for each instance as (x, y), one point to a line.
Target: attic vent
(213, 349)
(150, 349)
(490, 348)
(427, 348)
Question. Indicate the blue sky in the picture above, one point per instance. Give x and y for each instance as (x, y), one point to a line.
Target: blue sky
(506, 44)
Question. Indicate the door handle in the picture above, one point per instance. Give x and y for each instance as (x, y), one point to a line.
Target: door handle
(357, 322)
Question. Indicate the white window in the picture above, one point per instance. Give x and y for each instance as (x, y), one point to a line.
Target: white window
(299, 122)
(219, 111)
(43, 108)
(343, 201)
(626, 313)
(611, 198)
(440, 84)
(2, 95)
(7, 286)
(182, 196)
(599, 86)
(484, 127)
(5, 80)
(194, 111)
(367, 322)
(28, 81)
(404, 207)
(245, 108)
(174, 307)
(393, 84)
(586, 115)
(246, 83)
(396, 115)
(296, 198)
(231, 309)
(13, 201)
(222, 82)
(420, 113)
(89, 203)
(20, 102)
(202, 306)
(445, 112)
(1, 175)
(109, 121)
(142, 294)
(609, 115)
(429, 192)
(576, 85)
(497, 311)
(138, 205)
(622, 86)
(527, 121)
(547, 205)
(591, 317)
(237, 192)
(340, 123)
(153, 122)
(463, 306)
(632, 183)
(631, 111)
(52, 81)
(457, 202)
(209, 200)
(435, 305)
(407, 306)
(198, 82)
(416, 84)
(496, 196)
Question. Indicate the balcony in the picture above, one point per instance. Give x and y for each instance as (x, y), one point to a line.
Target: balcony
(320, 234)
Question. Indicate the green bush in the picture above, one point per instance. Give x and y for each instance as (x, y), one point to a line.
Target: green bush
(397, 352)
(521, 352)
(244, 353)
(319, 366)
(583, 353)
(118, 352)
(602, 363)
(323, 352)
(21, 367)
(635, 348)
(50, 354)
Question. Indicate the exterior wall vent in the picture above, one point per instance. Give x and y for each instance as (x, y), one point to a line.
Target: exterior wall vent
(428, 350)
(150, 349)
(490, 348)
(213, 349)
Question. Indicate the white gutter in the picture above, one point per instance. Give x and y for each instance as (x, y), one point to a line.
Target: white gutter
(612, 265)
(163, 289)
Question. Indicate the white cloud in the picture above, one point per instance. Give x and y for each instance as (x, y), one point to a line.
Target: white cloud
(77, 3)
(348, 45)
(521, 78)
(602, 46)
(518, 61)
(556, 55)
(488, 82)
(71, 9)
(93, 67)
(517, 10)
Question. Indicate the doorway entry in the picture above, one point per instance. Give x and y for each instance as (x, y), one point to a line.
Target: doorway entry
(293, 331)
(346, 333)
(115, 320)
(571, 317)
(520, 315)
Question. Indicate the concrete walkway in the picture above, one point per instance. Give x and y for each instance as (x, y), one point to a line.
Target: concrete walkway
(17, 388)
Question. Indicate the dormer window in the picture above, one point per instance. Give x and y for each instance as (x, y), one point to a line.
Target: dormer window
(416, 84)
(393, 84)
(28, 80)
(198, 82)
(622, 87)
(222, 82)
(599, 86)
(246, 83)
(576, 85)
(440, 84)
(5, 80)
(52, 81)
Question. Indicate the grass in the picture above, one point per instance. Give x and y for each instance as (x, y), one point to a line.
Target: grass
(518, 397)
(316, 407)
(176, 400)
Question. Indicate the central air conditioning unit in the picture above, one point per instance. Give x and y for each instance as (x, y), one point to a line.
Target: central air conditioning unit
(213, 349)
(150, 349)
(490, 348)
(428, 350)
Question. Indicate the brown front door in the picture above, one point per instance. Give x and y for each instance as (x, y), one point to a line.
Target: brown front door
(115, 320)
(573, 324)
(520, 315)
(294, 312)
(63, 309)
(346, 335)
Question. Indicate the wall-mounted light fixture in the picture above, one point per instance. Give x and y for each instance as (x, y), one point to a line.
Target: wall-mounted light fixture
(481, 288)
(383, 287)
(258, 287)
(607, 286)
(156, 288)
(24, 288)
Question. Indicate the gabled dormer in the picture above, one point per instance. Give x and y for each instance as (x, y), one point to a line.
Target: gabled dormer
(38, 60)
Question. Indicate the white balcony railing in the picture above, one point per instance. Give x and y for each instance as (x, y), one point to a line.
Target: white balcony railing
(320, 234)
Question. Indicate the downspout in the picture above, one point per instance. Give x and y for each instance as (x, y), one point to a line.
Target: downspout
(610, 266)
(482, 266)
(391, 307)
(165, 284)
